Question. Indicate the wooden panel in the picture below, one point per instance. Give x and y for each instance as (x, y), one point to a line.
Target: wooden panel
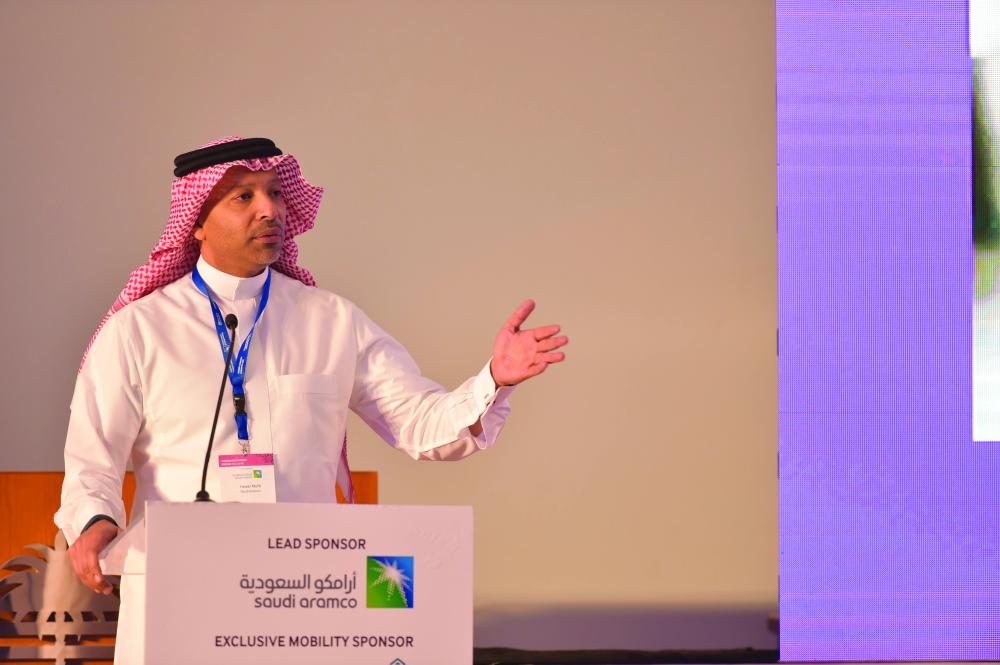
(29, 499)
(365, 487)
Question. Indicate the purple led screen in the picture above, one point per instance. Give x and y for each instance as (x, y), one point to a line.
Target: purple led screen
(889, 511)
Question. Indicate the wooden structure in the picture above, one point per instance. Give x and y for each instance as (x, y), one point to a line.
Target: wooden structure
(80, 634)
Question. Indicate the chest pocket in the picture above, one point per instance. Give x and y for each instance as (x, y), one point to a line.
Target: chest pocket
(308, 418)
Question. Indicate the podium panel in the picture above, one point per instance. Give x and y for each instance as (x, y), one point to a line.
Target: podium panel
(308, 583)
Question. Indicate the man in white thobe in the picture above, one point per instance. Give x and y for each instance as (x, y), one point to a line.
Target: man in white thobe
(149, 383)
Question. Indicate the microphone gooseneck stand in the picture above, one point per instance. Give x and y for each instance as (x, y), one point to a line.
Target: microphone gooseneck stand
(231, 324)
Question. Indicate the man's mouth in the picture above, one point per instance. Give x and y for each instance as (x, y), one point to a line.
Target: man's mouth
(269, 236)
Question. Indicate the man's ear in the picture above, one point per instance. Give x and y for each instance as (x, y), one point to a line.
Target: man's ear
(198, 232)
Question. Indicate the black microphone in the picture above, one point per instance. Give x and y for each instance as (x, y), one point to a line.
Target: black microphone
(231, 324)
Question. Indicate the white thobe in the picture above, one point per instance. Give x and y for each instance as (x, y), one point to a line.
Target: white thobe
(148, 389)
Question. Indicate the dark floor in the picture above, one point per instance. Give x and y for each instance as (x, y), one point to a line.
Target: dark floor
(620, 657)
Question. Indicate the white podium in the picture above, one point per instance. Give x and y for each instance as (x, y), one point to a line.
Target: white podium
(303, 583)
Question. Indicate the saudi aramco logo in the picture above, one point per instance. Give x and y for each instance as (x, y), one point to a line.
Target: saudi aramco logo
(390, 581)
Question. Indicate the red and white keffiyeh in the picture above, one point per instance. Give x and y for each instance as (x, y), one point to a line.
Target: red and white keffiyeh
(176, 253)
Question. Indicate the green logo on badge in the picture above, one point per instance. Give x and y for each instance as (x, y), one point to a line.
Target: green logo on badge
(390, 581)
(257, 473)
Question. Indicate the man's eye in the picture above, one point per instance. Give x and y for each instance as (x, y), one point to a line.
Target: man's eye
(245, 196)
(277, 193)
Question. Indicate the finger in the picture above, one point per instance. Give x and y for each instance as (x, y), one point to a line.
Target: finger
(544, 331)
(537, 369)
(515, 320)
(102, 585)
(95, 580)
(552, 343)
(549, 358)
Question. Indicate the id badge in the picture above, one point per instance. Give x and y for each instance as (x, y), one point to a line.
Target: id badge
(247, 478)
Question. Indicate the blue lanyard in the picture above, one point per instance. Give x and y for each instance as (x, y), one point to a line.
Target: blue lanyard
(238, 370)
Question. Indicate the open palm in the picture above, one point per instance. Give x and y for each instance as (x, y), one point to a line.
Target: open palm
(521, 354)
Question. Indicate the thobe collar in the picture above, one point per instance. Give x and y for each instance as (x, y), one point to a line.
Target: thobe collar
(229, 286)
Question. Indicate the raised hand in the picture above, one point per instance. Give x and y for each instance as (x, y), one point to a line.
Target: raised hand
(521, 354)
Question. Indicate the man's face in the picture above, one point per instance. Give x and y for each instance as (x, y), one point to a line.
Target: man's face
(244, 227)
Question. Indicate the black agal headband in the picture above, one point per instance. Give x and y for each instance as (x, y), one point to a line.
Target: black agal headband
(222, 153)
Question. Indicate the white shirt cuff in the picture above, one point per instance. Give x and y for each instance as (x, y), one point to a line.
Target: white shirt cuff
(486, 395)
(84, 511)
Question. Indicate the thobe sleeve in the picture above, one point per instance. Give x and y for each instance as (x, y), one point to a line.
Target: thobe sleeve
(412, 412)
(105, 417)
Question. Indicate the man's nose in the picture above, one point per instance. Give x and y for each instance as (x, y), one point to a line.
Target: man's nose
(269, 208)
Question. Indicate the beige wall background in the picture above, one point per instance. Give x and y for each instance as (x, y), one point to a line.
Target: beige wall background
(613, 160)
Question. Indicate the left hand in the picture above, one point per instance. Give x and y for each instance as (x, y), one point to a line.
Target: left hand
(521, 354)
